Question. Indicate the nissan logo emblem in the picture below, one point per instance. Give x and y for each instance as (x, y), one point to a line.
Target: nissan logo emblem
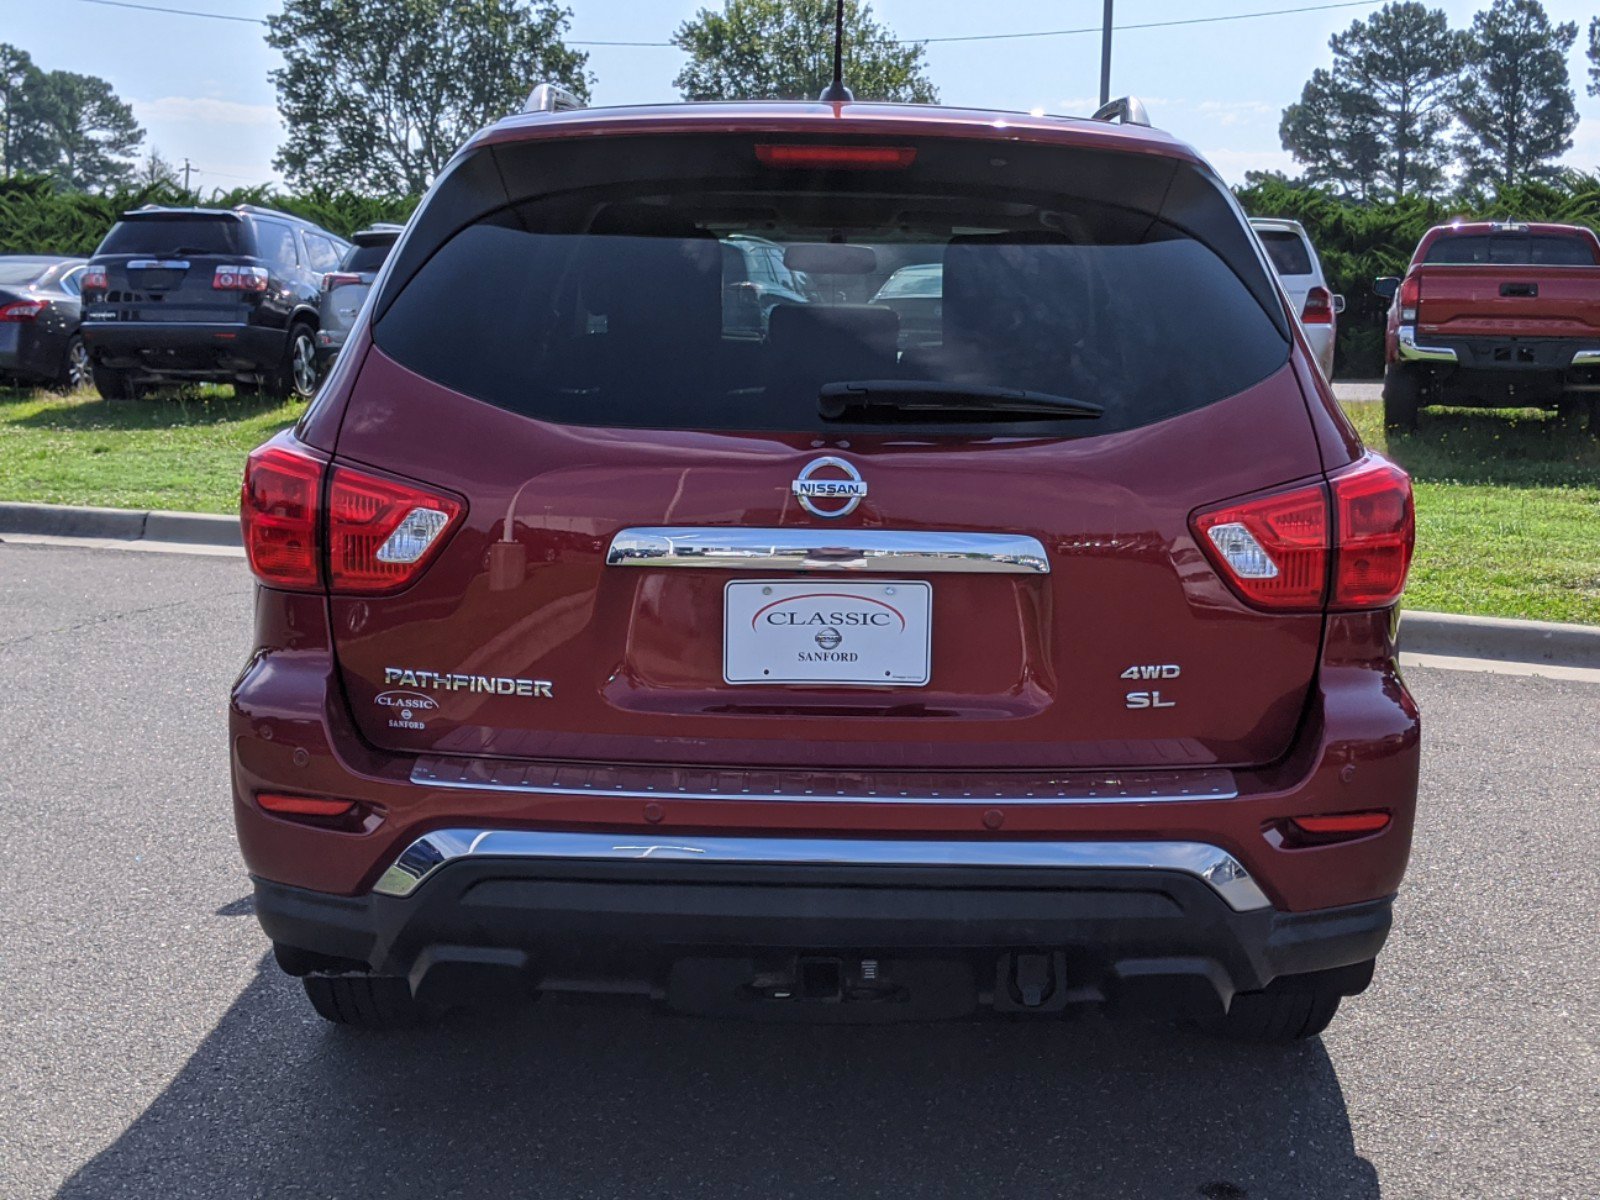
(850, 490)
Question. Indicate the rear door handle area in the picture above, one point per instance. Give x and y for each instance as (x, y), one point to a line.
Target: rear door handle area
(1519, 289)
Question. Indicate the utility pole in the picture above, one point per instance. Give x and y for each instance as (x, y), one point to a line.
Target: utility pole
(186, 160)
(1105, 57)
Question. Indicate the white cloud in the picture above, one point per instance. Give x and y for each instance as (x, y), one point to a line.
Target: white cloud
(204, 110)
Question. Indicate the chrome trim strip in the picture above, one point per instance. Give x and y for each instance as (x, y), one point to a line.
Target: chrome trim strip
(867, 551)
(1586, 358)
(157, 264)
(1406, 344)
(1078, 787)
(1218, 869)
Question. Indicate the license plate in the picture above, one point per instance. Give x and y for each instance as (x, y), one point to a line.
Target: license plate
(829, 632)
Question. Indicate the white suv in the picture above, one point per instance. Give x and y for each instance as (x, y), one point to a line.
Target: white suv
(1300, 271)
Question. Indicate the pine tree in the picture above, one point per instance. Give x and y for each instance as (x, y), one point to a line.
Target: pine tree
(1516, 104)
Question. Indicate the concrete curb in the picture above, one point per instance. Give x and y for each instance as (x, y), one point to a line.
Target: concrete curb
(1500, 638)
(1420, 632)
(119, 524)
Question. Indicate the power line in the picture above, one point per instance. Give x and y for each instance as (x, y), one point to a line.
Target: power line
(921, 41)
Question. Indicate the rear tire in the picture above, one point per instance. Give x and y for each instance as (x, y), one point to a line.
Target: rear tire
(363, 1001)
(295, 377)
(114, 384)
(76, 369)
(1402, 398)
(1276, 1018)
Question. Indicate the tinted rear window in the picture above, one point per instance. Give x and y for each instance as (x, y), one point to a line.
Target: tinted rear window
(174, 235)
(1542, 250)
(1287, 251)
(366, 259)
(622, 304)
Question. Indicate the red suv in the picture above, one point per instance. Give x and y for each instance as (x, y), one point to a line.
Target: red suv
(610, 641)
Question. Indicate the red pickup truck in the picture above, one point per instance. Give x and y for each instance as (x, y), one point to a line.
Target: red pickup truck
(1497, 314)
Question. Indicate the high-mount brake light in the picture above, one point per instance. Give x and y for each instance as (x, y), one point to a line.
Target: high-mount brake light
(1318, 308)
(1410, 296)
(234, 278)
(836, 158)
(94, 279)
(20, 311)
(1345, 544)
(380, 532)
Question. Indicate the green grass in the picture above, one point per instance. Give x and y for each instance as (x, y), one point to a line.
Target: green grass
(1508, 503)
(1508, 512)
(178, 450)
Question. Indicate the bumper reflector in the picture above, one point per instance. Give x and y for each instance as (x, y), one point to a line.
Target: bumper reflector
(304, 806)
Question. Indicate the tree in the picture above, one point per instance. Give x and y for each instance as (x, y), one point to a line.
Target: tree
(1377, 122)
(1516, 104)
(783, 50)
(155, 171)
(92, 133)
(1594, 56)
(379, 95)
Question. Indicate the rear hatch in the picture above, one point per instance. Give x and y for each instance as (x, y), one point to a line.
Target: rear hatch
(168, 267)
(671, 554)
(1510, 285)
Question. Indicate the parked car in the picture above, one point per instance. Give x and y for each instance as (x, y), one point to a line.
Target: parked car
(40, 312)
(1501, 314)
(602, 649)
(207, 295)
(1300, 271)
(756, 282)
(344, 291)
(916, 294)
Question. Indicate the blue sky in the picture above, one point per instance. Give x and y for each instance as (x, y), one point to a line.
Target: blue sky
(201, 90)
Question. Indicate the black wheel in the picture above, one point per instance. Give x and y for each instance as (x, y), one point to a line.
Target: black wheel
(76, 370)
(1276, 1017)
(114, 384)
(363, 1001)
(295, 377)
(1402, 397)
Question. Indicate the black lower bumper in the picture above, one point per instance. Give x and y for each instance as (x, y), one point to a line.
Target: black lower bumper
(864, 943)
(186, 351)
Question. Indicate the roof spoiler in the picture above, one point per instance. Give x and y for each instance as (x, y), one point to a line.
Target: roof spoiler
(548, 98)
(1129, 110)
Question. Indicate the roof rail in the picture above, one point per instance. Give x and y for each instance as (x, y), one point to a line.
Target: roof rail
(1127, 109)
(547, 97)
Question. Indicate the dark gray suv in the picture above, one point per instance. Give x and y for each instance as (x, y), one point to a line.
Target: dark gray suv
(207, 295)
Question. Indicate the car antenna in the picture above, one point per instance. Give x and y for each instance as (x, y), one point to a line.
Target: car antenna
(836, 92)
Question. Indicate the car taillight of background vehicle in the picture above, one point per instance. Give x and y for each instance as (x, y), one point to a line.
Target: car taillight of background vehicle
(231, 278)
(335, 279)
(1410, 295)
(1319, 307)
(19, 311)
(1346, 543)
(380, 532)
(94, 279)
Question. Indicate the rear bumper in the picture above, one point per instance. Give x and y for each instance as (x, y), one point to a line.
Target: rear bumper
(1516, 355)
(197, 350)
(941, 940)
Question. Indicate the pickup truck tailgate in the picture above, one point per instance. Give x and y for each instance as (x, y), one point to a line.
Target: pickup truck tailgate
(1506, 300)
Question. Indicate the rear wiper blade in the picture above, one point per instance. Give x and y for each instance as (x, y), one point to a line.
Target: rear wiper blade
(911, 395)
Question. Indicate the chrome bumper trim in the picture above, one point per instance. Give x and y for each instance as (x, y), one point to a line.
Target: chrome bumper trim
(1406, 344)
(1586, 358)
(1218, 869)
(776, 785)
(855, 550)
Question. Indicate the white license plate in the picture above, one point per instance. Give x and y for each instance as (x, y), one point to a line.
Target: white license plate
(829, 632)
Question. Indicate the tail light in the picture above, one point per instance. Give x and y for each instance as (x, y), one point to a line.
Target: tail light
(1410, 297)
(336, 279)
(836, 158)
(94, 279)
(379, 532)
(1319, 307)
(232, 278)
(19, 311)
(1346, 543)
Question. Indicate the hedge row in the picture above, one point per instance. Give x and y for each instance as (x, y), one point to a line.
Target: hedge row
(1357, 242)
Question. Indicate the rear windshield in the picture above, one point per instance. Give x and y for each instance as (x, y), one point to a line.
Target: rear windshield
(1288, 251)
(16, 273)
(714, 303)
(1512, 249)
(365, 260)
(173, 235)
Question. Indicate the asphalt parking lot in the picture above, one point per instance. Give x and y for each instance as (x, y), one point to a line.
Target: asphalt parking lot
(151, 1050)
